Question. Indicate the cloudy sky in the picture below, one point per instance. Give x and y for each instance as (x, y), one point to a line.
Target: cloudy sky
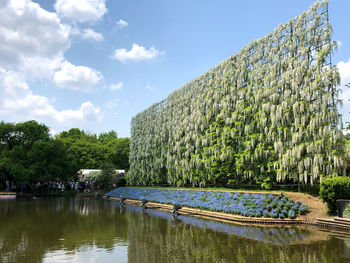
(94, 64)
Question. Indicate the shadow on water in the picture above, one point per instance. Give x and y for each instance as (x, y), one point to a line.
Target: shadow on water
(80, 229)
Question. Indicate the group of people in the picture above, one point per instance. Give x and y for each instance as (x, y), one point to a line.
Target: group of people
(49, 187)
(83, 186)
(53, 187)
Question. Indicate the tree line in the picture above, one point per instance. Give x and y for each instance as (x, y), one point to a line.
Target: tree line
(29, 154)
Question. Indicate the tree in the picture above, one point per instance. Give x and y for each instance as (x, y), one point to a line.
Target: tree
(107, 175)
(76, 134)
(106, 137)
(118, 152)
(28, 154)
(89, 151)
(48, 160)
(7, 136)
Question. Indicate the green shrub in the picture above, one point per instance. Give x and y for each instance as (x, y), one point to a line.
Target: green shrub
(333, 189)
(106, 176)
(121, 182)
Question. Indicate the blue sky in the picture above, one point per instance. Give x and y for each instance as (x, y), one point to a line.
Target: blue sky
(94, 64)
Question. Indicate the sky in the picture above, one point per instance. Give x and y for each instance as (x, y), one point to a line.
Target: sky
(94, 64)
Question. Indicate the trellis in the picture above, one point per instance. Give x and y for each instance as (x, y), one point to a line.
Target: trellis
(266, 114)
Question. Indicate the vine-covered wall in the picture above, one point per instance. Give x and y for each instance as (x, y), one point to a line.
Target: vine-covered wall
(267, 114)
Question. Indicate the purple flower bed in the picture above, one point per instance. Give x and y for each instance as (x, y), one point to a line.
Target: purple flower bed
(245, 204)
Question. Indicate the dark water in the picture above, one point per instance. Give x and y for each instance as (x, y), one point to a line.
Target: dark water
(88, 230)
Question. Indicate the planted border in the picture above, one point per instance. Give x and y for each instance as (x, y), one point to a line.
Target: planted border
(244, 204)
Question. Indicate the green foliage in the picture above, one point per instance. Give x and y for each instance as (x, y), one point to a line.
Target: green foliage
(76, 134)
(28, 154)
(89, 151)
(107, 175)
(117, 152)
(121, 182)
(267, 114)
(107, 137)
(333, 189)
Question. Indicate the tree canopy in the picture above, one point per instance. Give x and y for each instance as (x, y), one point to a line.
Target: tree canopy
(28, 154)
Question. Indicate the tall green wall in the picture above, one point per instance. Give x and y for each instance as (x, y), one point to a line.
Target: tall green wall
(267, 114)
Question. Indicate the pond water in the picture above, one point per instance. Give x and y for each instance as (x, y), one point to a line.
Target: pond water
(88, 230)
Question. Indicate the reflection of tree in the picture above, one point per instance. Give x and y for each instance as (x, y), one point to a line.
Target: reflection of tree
(152, 239)
(28, 230)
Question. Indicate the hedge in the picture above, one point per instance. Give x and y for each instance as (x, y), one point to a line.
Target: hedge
(333, 189)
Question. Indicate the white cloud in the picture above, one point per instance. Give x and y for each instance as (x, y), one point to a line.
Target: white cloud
(52, 132)
(112, 103)
(340, 43)
(81, 10)
(86, 113)
(117, 86)
(136, 53)
(91, 34)
(150, 88)
(18, 102)
(31, 39)
(32, 44)
(344, 71)
(76, 77)
(121, 23)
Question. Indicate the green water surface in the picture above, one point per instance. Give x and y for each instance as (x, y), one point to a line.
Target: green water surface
(88, 230)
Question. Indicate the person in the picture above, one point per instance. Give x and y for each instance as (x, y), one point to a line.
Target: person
(82, 186)
(38, 187)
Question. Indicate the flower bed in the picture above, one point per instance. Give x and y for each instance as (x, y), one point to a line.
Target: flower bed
(245, 204)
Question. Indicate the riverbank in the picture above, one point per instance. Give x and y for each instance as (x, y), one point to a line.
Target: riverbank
(316, 216)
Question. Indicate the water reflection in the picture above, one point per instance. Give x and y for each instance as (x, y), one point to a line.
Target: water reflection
(88, 230)
(271, 234)
(31, 228)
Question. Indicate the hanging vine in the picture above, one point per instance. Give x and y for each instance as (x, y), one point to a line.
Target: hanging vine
(267, 114)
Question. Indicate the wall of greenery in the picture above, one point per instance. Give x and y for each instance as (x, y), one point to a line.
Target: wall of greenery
(267, 114)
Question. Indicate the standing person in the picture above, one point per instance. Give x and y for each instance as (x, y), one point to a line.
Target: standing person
(54, 187)
(62, 187)
(38, 187)
(82, 186)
